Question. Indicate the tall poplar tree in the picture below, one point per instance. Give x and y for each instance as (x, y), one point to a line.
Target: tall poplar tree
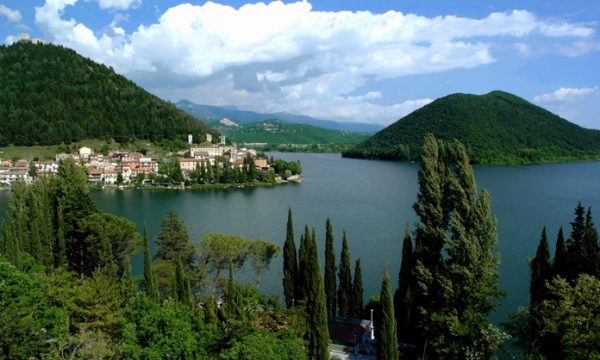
(290, 263)
(330, 285)
(388, 342)
(150, 285)
(454, 292)
(344, 295)
(541, 271)
(316, 305)
(403, 305)
(560, 266)
(357, 292)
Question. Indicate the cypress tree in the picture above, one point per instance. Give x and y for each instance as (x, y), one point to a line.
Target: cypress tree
(357, 292)
(302, 264)
(590, 245)
(575, 247)
(388, 343)
(290, 263)
(560, 266)
(540, 271)
(403, 295)
(182, 290)
(61, 242)
(345, 280)
(330, 286)
(316, 305)
(150, 285)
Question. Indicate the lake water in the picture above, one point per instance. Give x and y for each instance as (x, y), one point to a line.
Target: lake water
(372, 201)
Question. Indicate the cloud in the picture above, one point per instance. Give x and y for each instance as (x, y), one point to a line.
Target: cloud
(564, 95)
(339, 51)
(118, 4)
(13, 16)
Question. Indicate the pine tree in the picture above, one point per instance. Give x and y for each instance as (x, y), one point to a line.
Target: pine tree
(403, 296)
(541, 271)
(150, 285)
(316, 305)
(560, 266)
(345, 280)
(575, 247)
(590, 246)
(388, 343)
(173, 241)
(330, 285)
(357, 292)
(290, 263)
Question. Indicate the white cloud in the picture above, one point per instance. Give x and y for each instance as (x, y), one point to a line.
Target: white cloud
(564, 95)
(118, 4)
(14, 16)
(340, 51)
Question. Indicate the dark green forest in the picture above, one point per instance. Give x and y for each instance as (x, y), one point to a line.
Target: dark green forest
(496, 128)
(52, 95)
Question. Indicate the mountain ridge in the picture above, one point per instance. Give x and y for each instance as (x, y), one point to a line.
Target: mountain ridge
(496, 128)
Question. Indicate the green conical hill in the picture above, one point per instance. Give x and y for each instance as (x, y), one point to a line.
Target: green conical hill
(498, 128)
(52, 95)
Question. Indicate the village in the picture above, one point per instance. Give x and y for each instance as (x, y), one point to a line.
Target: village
(135, 168)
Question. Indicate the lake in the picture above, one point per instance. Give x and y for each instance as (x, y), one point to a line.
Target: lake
(372, 201)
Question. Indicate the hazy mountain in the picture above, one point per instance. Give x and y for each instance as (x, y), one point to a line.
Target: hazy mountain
(210, 112)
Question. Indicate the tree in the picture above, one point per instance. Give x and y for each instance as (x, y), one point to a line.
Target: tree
(403, 296)
(357, 292)
(302, 265)
(455, 292)
(571, 315)
(560, 266)
(173, 241)
(182, 285)
(217, 251)
(261, 253)
(345, 280)
(290, 263)
(575, 247)
(388, 342)
(330, 285)
(150, 285)
(316, 306)
(541, 271)
(591, 249)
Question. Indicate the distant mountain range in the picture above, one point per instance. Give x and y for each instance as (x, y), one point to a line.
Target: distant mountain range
(52, 95)
(210, 112)
(276, 133)
(497, 128)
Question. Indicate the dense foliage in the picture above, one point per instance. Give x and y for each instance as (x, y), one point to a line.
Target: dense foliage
(67, 292)
(52, 95)
(497, 128)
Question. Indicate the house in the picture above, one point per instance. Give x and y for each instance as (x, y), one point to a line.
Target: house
(261, 164)
(85, 152)
(46, 167)
(189, 164)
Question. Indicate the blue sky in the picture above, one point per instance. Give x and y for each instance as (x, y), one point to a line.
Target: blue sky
(368, 61)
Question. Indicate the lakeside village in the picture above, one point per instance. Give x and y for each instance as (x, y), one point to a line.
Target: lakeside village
(204, 164)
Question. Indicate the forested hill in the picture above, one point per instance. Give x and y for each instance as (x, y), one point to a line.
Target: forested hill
(50, 95)
(496, 128)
